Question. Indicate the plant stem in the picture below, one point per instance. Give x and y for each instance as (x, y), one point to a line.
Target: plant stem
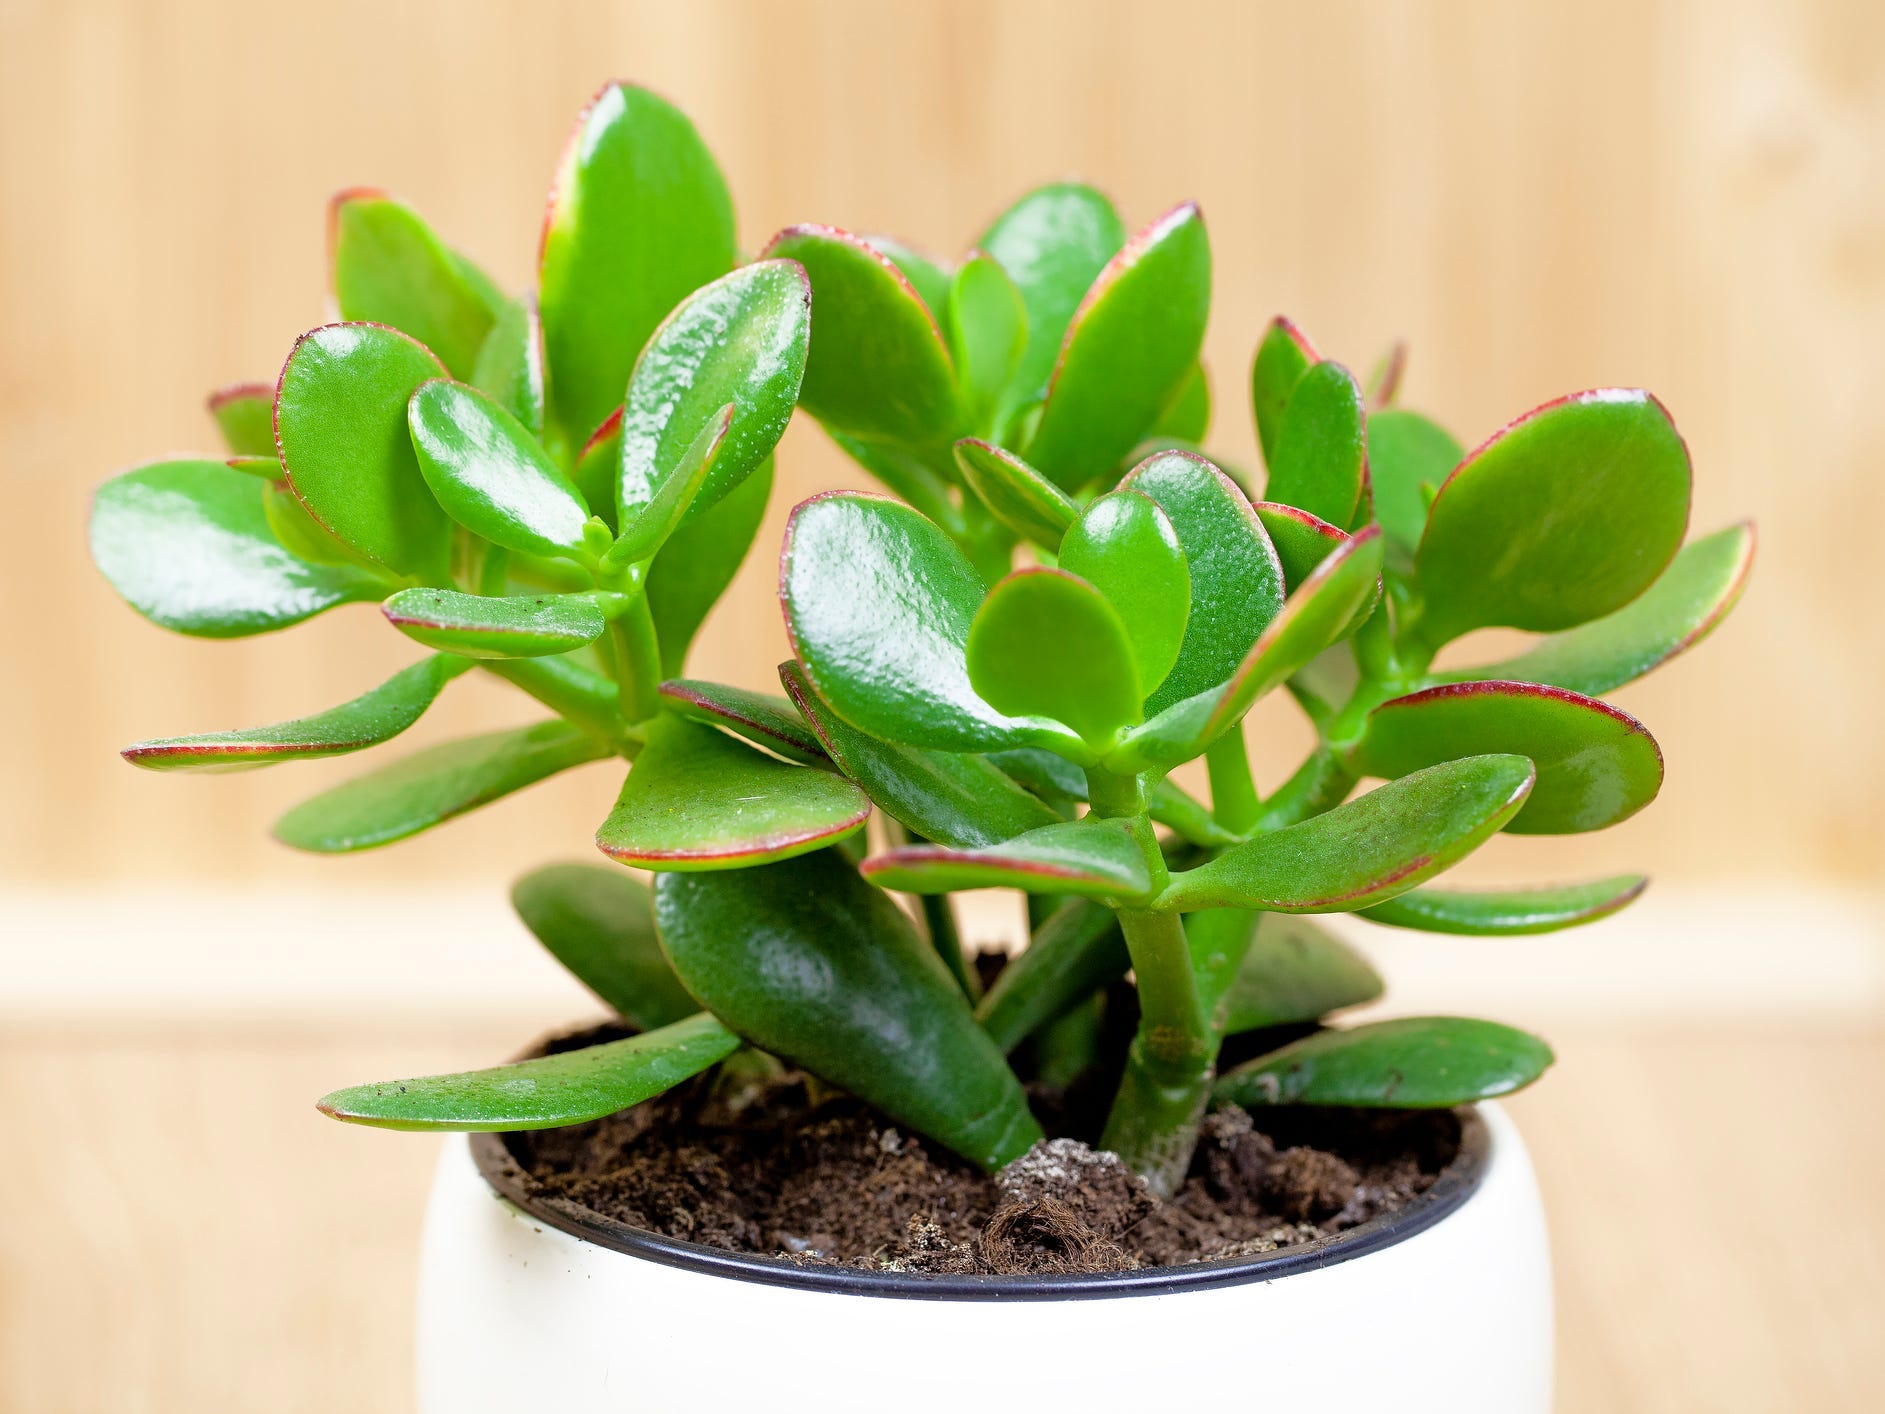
(1233, 792)
(574, 693)
(637, 660)
(1320, 784)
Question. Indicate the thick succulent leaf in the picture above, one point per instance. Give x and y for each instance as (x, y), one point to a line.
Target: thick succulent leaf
(987, 329)
(806, 960)
(1564, 516)
(368, 720)
(261, 468)
(1414, 1063)
(434, 786)
(188, 545)
(1053, 242)
(1596, 765)
(481, 626)
(1093, 858)
(1187, 417)
(698, 799)
(1502, 912)
(699, 561)
(1056, 780)
(340, 417)
(389, 268)
(1384, 379)
(878, 603)
(510, 366)
(647, 528)
(768, 721)
(912, 477)
(491, 474)
(546, 1093)
(245, 415)
(1409, 458)
(1294, 971)
(1046, 643)
(1302, 541)
(928, 276)
(1678, 611)
(1125, 547)
(639, 217)
(1015, 493)
(742, 340)
(1076, 951)
(1319, 461)
(1283, 356)
(1236, 580)
(952, 797)
(879, 368)
(1131, 343)
(304, 537)
(599, 923)
(1367, 850)
(598, 468)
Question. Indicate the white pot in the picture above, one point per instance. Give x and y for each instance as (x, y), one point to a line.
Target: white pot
(1444, 1306)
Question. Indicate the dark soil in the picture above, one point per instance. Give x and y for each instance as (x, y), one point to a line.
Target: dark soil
(761, 1159)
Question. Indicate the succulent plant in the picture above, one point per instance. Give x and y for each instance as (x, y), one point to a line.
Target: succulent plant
(555, 491)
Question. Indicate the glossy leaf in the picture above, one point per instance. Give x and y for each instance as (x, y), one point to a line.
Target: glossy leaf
(1293, 972)
(340, 414)
(1596, 765)
(742, 340)
(1187, 417)
(1283, 356)
(645, 529)
(911, 477)
(1130, 345)
(434, 786)
(245, 415)
(878, 367)
(639, 218)
(698, 799)
(929, 278)
(1319, 459)
(598, 468)
(806, 960)
(1015, 493)
(1125, 547)
(599, 922)
(1045, 643)
(547, 1092)
(1679, 610)
(954, 798)
(1302, 541)
(1368, 850)
(368, 720)
(304, 537)
(491, 475)
(1415, 1063)
(1093, 858)
(479, 626)
(1078, 950)
(1563, 517)
(878, 603)
(261, 468)
(188, 545)
(389, 268)
(1409, 459)
(1053, 242)
(768, 721)
(510, 366)
(1056, 779)
(988, 330)
(699, 561)
(1503, 912)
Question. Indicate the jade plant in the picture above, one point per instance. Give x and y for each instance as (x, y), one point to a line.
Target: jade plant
(1064, 602)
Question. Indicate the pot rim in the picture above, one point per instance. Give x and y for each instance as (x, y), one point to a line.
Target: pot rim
(1457, 1182)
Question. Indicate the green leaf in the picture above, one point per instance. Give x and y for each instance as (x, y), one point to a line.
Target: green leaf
(1076, 951)
(1294, 971)
(491, 475)
(1056, 779)
(1596, 765)
(245, 415)
(698, 562)
(1093, 858)
(806, 960)
(478, 626)
(340, 412)
(1015, 493)
(368, 720)
(929, 278)
(1406, 453)
(878, 602)
(1563, 517)
(1368, 850)
(599, 467)
(1692, 596)
(389, 268)
(510, 366)
(741, 340)
(646, 529)
(1125, 547)
(988, 331)
(433, 786)
(1319, 460)
(878, 368)
(768, 721)
(1504, 912)
(266, 469)
(304, 537)
(1236, 581)
(188, 545)
(1187, 417)
(546, 1093)
(1046, 643)
(1302, 541)
(698, 799)
(909, 476)
(1415, 1063)
(1283, 356)
(599, 922)
(1131, 344)
(955, 798)
(639, 218)
(1384, 379)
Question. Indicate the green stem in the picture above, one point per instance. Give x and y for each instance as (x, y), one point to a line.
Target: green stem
(947, 940)
(1320, 784)
(1074, 952)
(574, 693)
(1233, 791)
(637, 660)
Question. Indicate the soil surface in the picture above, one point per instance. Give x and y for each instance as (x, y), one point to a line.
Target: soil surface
(761, 1159)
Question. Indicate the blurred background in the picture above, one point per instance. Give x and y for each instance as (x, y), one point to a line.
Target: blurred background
(1687, 195)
